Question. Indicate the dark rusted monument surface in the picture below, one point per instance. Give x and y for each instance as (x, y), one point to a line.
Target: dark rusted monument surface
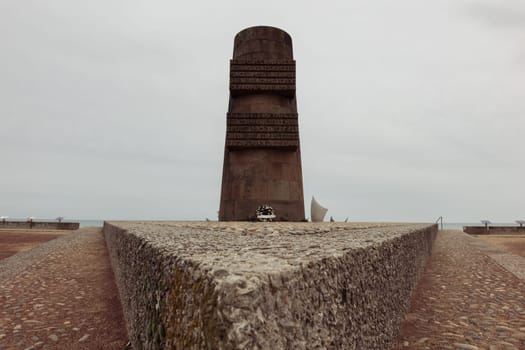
(262, 157)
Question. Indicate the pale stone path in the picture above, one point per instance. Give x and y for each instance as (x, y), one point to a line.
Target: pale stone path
(61, 295)
(471, 296)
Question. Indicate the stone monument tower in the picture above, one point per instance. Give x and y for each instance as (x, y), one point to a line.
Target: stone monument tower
(262, 156)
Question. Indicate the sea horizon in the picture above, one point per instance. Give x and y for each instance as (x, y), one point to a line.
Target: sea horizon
(100, 222)
(446, 225)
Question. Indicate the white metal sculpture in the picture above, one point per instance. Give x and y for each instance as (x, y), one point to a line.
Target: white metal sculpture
(317, 211)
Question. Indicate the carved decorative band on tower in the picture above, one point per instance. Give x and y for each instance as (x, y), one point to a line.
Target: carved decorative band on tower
(252, 76)
(262, 130)
(262, 158)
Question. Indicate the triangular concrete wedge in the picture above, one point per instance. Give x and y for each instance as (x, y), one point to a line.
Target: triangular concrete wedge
(217, 285)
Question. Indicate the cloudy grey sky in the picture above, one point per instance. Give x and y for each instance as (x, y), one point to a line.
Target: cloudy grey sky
(408, 110)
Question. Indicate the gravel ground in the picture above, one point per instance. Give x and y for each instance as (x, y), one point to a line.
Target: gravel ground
(512, 243)
(16, 241)
(471, 296)
(61, 295)
(14, 264)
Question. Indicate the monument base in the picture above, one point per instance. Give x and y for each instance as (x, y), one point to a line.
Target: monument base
(216, 285)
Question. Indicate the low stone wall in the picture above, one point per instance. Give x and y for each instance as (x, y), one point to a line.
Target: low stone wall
(494, 230)
(265, 285)
(39, 225)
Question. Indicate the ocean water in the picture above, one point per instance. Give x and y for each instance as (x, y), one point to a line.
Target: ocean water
(456, 225)
(86, 223)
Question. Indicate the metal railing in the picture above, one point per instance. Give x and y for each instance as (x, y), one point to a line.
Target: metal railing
(440, 219)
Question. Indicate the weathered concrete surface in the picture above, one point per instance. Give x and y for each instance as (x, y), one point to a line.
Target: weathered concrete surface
(189, 285)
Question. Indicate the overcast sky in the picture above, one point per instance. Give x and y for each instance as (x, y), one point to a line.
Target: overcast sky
(408, 110)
